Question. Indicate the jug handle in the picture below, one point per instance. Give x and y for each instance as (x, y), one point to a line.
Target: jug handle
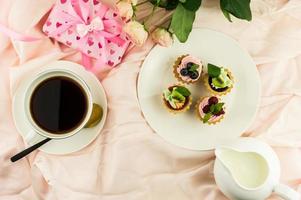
(286, 192)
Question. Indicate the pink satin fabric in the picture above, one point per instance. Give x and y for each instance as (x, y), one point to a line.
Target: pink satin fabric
(15, 35)
(128, 161)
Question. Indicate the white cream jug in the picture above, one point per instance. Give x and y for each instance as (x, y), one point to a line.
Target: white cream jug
(248, 169)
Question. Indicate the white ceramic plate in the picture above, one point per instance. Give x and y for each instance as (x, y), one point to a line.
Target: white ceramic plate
(75, 142)
(185, 130)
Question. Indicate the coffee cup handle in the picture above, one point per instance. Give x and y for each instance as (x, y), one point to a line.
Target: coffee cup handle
(96, 116)
(286, 192)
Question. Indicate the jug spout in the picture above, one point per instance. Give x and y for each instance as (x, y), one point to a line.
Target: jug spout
(248, 169)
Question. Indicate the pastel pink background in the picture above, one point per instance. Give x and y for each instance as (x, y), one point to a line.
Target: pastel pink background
(128, 161)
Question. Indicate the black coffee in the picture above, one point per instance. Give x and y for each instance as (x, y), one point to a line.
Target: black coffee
(58, 105)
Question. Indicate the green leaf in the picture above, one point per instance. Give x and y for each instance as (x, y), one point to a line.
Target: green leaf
(207, 117)
(213, 70)
(216, 108)
(181, 22)
(182, 90)
(212, 108)
(194, 67)
(167, 4)
(238, 8)
(192, 5)
(227, 15)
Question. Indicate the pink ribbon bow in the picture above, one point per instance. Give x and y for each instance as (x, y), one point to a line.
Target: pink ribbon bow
(88, 26)
(95, 25)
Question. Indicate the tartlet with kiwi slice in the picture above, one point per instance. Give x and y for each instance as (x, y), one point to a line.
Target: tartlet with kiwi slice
(177, 98)
(218, 80)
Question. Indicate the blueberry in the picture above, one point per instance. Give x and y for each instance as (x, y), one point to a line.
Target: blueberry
(184, 72)
(213, 100)
(206, 109)
(194, 75)
(189, 65)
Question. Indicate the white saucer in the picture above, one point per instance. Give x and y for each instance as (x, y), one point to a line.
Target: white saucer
(185, 130)
(75, 142)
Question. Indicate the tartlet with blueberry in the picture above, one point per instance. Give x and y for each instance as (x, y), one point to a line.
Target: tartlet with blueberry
(177, 99)
(218, 80)
(188, 69)
(210, 110)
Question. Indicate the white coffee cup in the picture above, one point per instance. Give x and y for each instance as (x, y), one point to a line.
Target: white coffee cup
(36, 129)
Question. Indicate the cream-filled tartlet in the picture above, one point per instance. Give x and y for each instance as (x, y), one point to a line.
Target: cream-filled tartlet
(177, 98)
(188, 69)
(210, 110)
(218, 80)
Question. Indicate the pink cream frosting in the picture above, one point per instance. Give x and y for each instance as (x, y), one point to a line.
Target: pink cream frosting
(183, 64)
(203, 103)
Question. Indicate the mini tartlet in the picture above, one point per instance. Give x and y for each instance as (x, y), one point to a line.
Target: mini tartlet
(177, 99)
(210, 110)
(187, 69)
(218, 80)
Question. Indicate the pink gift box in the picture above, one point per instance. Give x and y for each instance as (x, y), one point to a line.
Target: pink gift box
(90, 27)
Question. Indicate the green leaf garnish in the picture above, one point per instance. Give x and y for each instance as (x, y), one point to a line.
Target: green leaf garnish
(192, 5)
(238, 8)
(216, 108)
(207, 117)
(182, 90)
(194, 67)
(213, 70)
(212, 108)
(177, 95)
(181, 22)
(173, 97)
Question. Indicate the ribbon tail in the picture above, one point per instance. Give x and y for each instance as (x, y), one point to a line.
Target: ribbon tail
(17, 36)
(86, 61)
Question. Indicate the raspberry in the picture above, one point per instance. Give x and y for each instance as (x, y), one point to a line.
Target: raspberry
(206, 109)
(213, 100)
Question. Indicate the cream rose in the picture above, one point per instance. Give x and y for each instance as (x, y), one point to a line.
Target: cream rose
(125, 10)
(162, 37)
(134, 2)
(136, 32)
